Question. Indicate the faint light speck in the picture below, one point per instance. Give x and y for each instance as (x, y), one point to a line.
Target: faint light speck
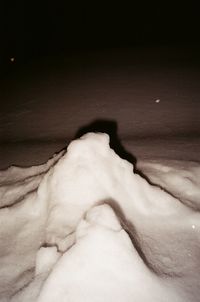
(193, 226)
(12, 59)
(157, 101)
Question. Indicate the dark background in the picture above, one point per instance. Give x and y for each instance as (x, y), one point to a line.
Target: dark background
(33, 29)
(77, 62)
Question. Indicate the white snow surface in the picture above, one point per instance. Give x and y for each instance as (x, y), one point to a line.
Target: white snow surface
(85, 227)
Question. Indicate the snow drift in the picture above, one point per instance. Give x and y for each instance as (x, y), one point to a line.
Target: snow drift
(85, 227)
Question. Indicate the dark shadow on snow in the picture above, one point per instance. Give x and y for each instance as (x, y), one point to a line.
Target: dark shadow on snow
(110, 127)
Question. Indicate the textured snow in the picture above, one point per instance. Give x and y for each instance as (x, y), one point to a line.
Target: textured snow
(85, 227)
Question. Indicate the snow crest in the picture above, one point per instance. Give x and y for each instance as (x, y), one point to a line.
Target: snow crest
(85, 227)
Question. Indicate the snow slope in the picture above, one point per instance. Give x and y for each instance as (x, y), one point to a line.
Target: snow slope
(85, 227)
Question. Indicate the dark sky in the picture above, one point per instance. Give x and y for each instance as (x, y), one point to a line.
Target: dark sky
(35, 29)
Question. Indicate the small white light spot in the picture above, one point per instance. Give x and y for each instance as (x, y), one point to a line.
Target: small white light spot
(193, 226)
(12, 59)
(157, 101)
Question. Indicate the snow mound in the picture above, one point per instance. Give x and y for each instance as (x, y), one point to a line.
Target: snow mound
(85, 227)
(182, 179)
